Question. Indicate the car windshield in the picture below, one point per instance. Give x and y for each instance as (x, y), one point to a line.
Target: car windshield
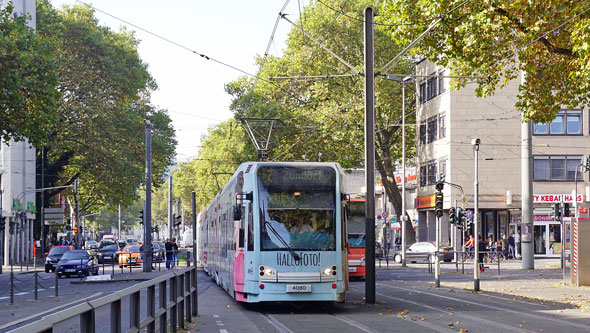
(72, 255)
(109, 247)
(58, 250)
(132, 241)
(356, 240)
(131, 249)
(297, 206)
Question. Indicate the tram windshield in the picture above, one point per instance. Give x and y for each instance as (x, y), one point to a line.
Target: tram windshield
(297, 208)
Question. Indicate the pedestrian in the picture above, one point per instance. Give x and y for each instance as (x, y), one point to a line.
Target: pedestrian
(505, 246)
(481, 245)
(511, 243)
(175, 259)
(517, 242)
(470, 243)
(169, 256)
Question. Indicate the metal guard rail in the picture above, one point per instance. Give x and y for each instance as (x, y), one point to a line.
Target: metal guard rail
(172, 309)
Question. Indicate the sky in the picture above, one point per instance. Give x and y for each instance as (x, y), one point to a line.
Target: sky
(190, 87)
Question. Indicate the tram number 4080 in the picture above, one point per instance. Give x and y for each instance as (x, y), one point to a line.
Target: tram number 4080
(299, 288)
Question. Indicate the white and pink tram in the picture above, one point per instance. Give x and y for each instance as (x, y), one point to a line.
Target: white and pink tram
(276, 232)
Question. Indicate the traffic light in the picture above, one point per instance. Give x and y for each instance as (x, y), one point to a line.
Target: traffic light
(76, 230)
(556, 212)
(2, 223)
(587, 165)
(438, 199)
(141, 216)
(452, 216)
(11, 226)
(177, 220)
(566, 209)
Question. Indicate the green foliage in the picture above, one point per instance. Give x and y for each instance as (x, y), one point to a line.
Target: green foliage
(99, 137)
(495, 40)
(28, 80)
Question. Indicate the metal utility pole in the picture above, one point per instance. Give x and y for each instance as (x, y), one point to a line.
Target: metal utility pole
(119, 224)
(475, 143)
(147, 239)
(526, 198)
(195, 298)
(369, 157)
(170, 216)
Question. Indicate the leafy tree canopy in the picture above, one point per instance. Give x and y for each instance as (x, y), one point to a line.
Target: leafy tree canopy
(495, 40)
(28, 80)
(99, 137)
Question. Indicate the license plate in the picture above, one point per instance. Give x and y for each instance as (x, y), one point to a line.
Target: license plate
(352, 269)
(107, 257)
(69, 270)
(299, 288)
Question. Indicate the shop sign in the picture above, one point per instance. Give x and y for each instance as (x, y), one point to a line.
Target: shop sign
(554, 198)
(424, 202)
(542, 218)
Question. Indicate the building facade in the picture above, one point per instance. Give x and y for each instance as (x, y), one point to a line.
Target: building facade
(447, 121)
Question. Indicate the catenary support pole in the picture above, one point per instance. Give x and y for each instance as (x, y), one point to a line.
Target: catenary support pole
(526, 178)
(475, 217)
(194, 298)
(369, 158)
(170, 217)
(147, 244)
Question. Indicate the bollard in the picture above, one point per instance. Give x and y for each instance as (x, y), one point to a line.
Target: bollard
(36, 288)
(11, 288)
(56, 282)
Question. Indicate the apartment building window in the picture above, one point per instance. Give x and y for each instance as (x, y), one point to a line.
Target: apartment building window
(423, 133)
(431, 88)
(441, 82)
(423, 178)
(567, 122)
(556, 167)
(432, 128)
(431, 170)
(442, 130)
(442, 167)
(422, 92)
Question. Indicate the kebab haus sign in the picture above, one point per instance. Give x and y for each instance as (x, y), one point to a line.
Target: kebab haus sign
(554, 198)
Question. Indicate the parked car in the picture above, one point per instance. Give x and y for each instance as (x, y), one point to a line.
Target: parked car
(108, 252)
(132, 241)
(53, 256)
(77, 262)
(424, 252)
(130, 256)
(159, 252)
(91, 245)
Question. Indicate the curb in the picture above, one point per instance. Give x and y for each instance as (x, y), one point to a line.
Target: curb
(109, 281)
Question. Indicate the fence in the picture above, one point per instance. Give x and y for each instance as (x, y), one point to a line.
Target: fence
(177, 301)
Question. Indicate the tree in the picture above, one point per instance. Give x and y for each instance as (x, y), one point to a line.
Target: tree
(99, 135)
(495, 40)
(28, 80)
(326, 116)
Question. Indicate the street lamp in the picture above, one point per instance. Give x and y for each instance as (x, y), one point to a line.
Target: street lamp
(476, 143)
(403, 222)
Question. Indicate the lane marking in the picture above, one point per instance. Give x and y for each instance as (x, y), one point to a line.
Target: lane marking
(491, 323)
(20, 294)
(352, 323)
(215, 316)
(222, 330)
(565, 322)
(504, 299)
(18, 321)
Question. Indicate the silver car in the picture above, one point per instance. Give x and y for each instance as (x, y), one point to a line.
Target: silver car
(424, 252)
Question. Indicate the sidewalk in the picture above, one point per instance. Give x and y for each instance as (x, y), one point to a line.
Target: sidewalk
(544, 283)
(16, 269)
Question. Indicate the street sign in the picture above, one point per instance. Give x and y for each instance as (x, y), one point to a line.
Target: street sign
(54, 222)
(53, 214)
(384, 214)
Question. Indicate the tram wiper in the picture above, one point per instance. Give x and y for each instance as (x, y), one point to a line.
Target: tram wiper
(271, 228)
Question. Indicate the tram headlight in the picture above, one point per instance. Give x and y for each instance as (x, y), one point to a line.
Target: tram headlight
(267, 271)
(329, 270)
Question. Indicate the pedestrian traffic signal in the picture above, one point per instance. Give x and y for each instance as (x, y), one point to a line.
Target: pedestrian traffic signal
(452, 216)
(141, 216)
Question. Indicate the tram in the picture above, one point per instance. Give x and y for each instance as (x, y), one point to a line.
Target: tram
(356, 238)
(276, 232)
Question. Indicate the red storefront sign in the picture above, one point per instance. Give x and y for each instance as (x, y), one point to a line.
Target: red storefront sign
(554, 198)
(424, 202)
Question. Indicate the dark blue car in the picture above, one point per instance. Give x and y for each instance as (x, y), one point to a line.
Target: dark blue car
(77, 262)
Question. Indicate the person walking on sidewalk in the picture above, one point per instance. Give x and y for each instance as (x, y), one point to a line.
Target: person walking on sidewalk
(482, 252)
(175, 253)
(169, 256)
(517, 243)
(511, 254)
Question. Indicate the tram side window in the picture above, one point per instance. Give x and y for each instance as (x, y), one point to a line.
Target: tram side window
(250, 229)
(241, 232)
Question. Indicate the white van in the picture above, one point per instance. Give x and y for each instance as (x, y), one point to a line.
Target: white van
(187, 239)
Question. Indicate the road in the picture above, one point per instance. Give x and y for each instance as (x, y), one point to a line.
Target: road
(407, 301)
